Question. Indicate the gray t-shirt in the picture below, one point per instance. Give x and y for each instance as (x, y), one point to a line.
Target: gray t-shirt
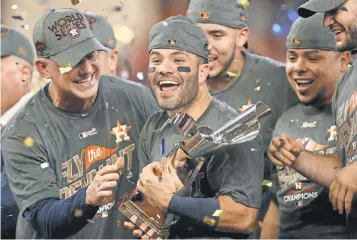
(235, 170)
(50, 153)
(304, 207)
(262, 79)
(345, 108)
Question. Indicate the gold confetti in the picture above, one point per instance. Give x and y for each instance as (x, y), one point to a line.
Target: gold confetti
(260, 224)
(65, 69)
(257, 89)
(253, 226)
(209, 221)
(29, 142)
(78, 213)
(123, 34)
(267, 183)
(75, 2)
(244, 3)
(217, 213)
(233, 74)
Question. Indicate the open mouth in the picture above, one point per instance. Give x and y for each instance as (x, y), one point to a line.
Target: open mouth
(168, 85)
(212, 58)
(304, 83)
(84, 81)
(337, 31)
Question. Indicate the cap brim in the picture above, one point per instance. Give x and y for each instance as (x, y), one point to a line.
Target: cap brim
(317, 6)
(74, 54)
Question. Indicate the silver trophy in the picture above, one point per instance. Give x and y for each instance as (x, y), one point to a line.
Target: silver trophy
(188, 156)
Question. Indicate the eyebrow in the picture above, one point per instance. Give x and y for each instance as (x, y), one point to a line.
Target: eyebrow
(216, 31)
(306, 53)
(179, 53)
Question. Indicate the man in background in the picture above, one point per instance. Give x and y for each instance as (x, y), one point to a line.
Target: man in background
(17, 59)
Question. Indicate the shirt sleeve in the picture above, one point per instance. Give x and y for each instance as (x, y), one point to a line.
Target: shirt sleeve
(238, 171)
(54, 218)
(29, 171)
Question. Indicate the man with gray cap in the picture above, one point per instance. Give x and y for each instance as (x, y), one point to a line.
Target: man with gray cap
(103, 31)
(65, 150)
(17, 59)
(239, 78)
(231, 181)
(314, 67)
(341, 18)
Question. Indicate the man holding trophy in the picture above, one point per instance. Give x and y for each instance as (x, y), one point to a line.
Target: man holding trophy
(224, 191)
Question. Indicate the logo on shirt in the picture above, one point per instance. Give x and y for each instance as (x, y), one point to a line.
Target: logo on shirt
(86, 134)
(121, 132)
(309, 125)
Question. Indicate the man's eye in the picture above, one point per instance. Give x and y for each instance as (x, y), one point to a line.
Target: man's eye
(155, 61)
(179, 61)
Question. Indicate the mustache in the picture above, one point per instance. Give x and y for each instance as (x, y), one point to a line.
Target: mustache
(160, 77)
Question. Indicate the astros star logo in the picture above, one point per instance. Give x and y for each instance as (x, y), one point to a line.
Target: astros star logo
(73, 32)
(121, 132)
(245, 107)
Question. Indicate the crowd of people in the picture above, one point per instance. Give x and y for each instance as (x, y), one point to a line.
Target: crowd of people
(74, 148)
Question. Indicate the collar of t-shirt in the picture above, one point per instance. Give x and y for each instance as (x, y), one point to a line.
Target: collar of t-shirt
(12, 111)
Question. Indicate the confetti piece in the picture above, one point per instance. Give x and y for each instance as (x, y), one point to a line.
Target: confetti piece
(66, 69)
(18, 17)
(90, 221)
(217, 213)
(123, 34)
(233, 74)
(257, 81)
(119, 223)
(75, 2)
(14, 6)
(244, 3)
(118, 7)
(78, 213)
(257, 89)
(29, 142)
(209, 221)
(253, 226)
(25, 26)
(162, 146)
(44, 165)
(267, 183)
(140, 76)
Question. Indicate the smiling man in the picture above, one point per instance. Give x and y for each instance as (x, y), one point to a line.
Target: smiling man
(237, 77)
(314, 68)
(64, 150)
(231, 181)
(341, 18)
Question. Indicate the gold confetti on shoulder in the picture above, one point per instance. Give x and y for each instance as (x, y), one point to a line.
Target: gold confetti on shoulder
(233, 74)
(29, 142)
(244, 3)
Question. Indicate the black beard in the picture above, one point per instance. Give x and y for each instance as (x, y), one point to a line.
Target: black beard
(351, 39)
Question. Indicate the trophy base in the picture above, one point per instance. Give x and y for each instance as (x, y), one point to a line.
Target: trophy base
(151, 216)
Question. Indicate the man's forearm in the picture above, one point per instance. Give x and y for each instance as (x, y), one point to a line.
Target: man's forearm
(318, 168)
(270, 224)
(53, 218)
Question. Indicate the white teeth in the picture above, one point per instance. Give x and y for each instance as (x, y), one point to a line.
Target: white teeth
(303, 81)
(168, 82)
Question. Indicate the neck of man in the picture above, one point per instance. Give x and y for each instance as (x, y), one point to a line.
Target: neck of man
(69, 103)
(219, 82)
(197, 107)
